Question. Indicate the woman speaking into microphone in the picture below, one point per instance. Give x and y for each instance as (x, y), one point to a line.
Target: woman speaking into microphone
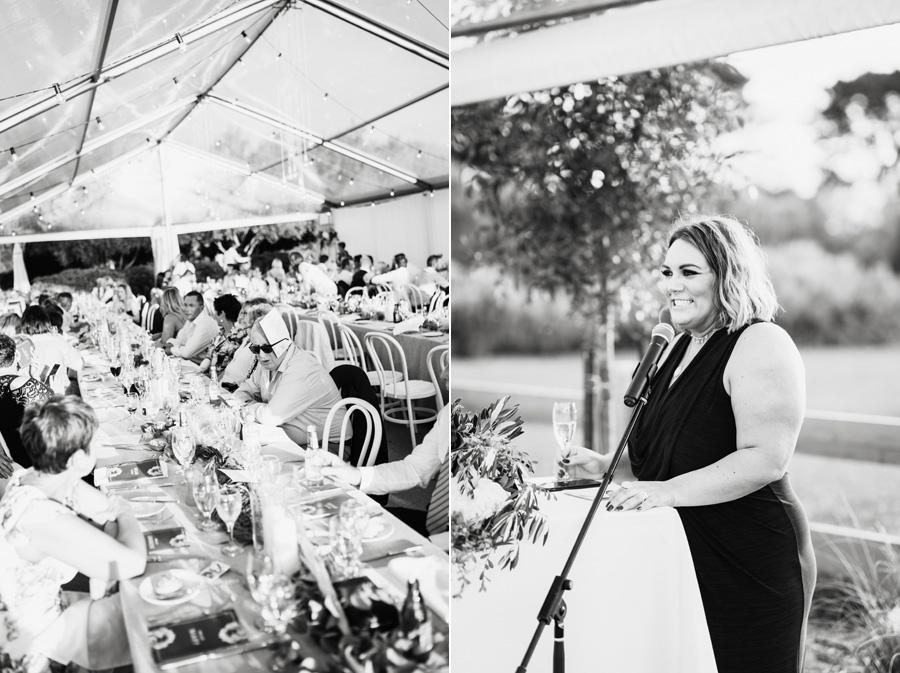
(714, 441)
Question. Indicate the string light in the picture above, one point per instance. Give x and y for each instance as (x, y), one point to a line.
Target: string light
(244, 35)
(392, 192)
(419, 154)
(175, 80)
(100, 123)
(342, 203)
(182, 45)
(351, 181)
(57, 91)
(278, 56)
(325, 96)
(372, 128)
(12, 154)
(31, 195)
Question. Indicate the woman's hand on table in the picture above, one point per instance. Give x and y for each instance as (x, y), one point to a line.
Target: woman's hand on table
(582, 462)
(642, 495)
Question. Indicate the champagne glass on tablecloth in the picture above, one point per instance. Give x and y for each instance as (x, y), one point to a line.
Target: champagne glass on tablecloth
(272, 591)
(228, 506)
(564, 422)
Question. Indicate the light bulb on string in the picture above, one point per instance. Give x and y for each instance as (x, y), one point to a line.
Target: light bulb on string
(419, 154)
(57, 91)
(182, 45)
(31, 195)
(100, 124)
(278, 56)
(342, 203)
(351, 181)
(372, 128)
(393, 192)
(325, 96)
(13, 157)
(175, 81)
(245, 36)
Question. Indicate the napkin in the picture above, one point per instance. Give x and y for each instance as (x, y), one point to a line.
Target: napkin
(272, 441)
(409, 325)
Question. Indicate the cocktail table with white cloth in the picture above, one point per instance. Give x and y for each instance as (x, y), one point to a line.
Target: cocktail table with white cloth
(634, 607)
(167, 502)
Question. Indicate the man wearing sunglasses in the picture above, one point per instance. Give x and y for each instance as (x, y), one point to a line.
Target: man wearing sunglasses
(290, 388)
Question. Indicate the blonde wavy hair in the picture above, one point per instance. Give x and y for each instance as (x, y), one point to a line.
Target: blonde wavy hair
(171, 302)
(251, 311)
(744, 292)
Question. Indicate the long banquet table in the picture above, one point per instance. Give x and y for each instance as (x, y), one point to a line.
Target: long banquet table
(634, 607)
(116, 443)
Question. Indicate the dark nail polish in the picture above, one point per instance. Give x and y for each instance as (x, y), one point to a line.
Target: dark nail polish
(608, 507)
(619, 508)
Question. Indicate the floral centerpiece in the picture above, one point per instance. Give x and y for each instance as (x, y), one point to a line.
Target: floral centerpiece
(494, 507)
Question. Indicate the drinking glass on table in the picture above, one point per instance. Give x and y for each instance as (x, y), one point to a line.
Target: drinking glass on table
(205, 489)
(115, 366)
(564, 422)
(228, 505)
(272, 591)
(183, 447)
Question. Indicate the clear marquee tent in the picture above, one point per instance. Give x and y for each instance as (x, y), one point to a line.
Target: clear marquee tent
(135, 118)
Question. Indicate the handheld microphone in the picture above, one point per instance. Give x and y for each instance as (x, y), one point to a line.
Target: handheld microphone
(660, 337)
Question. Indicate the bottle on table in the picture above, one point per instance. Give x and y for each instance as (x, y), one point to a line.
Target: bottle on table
(415, 624)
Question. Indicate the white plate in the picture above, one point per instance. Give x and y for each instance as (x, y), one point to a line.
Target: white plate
(147, 510)
(379, 528)
(191, 580)
(431, 334)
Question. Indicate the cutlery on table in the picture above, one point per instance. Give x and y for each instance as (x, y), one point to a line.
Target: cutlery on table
(150, 498)
(391, 554)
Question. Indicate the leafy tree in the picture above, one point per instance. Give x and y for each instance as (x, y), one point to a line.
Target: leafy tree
(582, 181)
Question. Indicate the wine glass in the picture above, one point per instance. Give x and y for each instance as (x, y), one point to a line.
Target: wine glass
(564, 421)
(115, 366)
(228, 505)
(183, 447)
(205, 489)
(272, 591)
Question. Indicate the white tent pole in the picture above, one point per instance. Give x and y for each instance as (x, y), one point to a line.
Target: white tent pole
(348, 152)
(96, 143)
(185, 228)
(646, 36)
(164, 241)
(20, 274)
(135, 60)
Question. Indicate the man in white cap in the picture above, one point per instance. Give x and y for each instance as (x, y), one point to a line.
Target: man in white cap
(290, 388)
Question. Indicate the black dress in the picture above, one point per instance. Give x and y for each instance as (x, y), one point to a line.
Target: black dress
(753, 556)
(12, 409)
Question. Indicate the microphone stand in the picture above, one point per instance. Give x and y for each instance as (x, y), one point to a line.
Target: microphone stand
(554, 606)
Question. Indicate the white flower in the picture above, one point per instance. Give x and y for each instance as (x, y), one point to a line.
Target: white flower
(486, 500)
(892, 620)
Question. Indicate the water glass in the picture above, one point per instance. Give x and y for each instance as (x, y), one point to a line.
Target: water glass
(314, 461)
(346, 548)
(272, 591)
(205, 489)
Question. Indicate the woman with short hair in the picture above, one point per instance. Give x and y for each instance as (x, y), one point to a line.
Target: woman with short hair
(51, 350)
(47, 536)
(227, 309)
(18, 390)
(243, 362)
(715, 440)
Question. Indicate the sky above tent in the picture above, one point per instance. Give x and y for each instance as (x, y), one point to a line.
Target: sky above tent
(213, 109)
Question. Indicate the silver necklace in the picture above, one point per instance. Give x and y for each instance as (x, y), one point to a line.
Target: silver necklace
(698, 341)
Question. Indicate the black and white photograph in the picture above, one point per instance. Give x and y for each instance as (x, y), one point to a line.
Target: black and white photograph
(224, 335)
(676, 261)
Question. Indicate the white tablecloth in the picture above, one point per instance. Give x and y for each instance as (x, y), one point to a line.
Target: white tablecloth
(634, 606)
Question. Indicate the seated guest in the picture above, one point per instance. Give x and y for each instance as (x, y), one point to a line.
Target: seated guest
(44, 542)
(345, 276)
(197, 333)
(124, 301)
(426, 466)
(276, 271)
(50, 347)
(256, 285)
(174, 315)
(401, 273)
(243, 362)
(289, 388)
(363, 273)
(430, 279)
(17, 391)
(227, 309)
(316, 280)
(64, 301)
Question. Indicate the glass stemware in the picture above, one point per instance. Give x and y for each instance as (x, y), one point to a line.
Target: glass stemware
(205, 489)
(564, 422)
(228, 506)
(183, 447)
(272, 591)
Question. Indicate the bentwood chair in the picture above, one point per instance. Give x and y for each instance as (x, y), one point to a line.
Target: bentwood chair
(368, 447)
(438, 300)
(440, 355)
(415, 296)
(355, 354)
(331, 323)
(360, 290)
(398, 397)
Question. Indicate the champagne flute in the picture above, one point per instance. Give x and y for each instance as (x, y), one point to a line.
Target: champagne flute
(564, 422)
(272, 591)
(228, 505)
